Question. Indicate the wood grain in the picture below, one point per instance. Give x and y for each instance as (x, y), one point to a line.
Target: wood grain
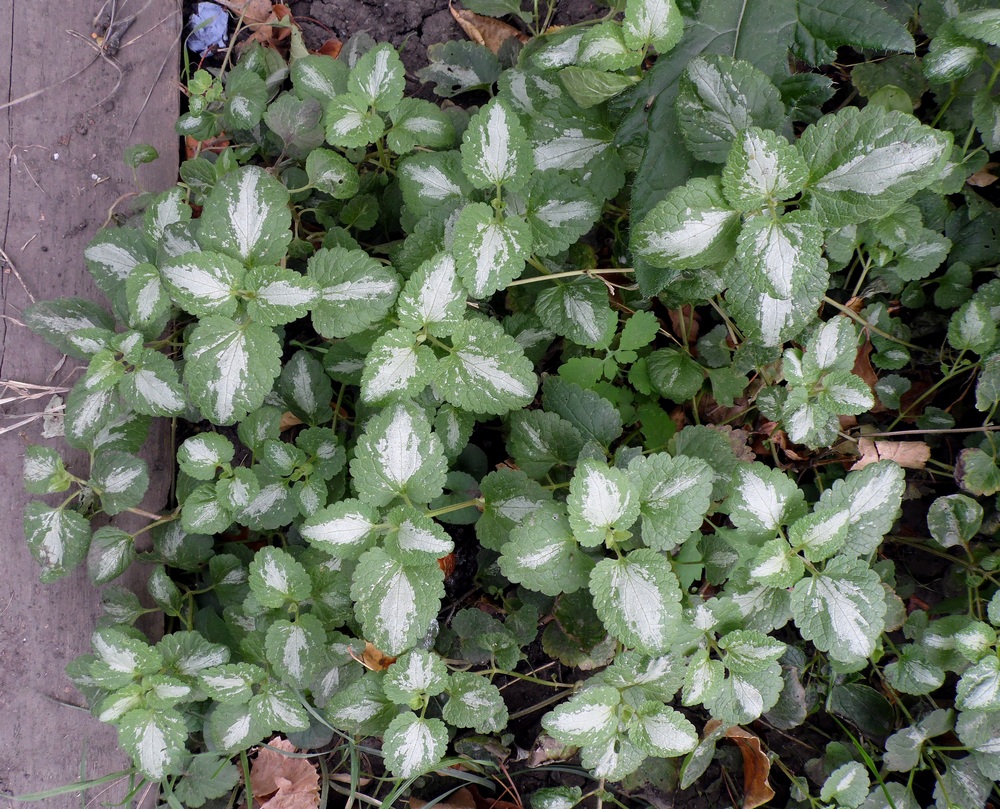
(61, 172)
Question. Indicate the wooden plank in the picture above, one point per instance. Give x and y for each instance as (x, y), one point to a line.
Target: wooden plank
(61, 174)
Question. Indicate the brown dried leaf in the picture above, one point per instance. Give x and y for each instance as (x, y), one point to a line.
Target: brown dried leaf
(984, 177)
(331, 48)
(908, 454)
(756, 767)
(279, 781)
(288, 420)
(373, 659)
(485, 30)
(462, 799)
(253, 11)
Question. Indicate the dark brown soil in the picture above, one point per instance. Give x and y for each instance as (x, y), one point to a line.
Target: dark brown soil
(410, 25)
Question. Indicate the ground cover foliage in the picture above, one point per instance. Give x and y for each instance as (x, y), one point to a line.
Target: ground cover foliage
(678, 337)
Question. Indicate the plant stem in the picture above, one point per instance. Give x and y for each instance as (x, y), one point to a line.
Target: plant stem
(871, 326)
(567, 274)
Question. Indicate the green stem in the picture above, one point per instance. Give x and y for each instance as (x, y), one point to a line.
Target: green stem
(478, 502)
(567, 274)
(526, 677)
(871, 326)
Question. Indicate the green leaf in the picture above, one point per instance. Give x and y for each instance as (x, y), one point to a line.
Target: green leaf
(361, 708)
(558, 209)
(613, 759)
(416, 122)
(587, 718)
(155, 739)
(603, 48)
(691, 228)
(986, 116)
(637, 598)
(414, 537)
(977, 472)
(847, 785)
(234, 727)
(247, 217)
(863, 505)
(295, 650)
(230, 367)
(112, 254)
(457, 67)
(954, 519)
(413, 745)
(56, 320)
(762, 168)
(639, 331)
(539, 441)
(120, 479)
(486, 371)
(246, 100)
(543, 555)
(489, 251)
(841, 610)
(718, 97)
(509, 499)
(433, 298)
(979, 687)
(981, 25)
(674, 497)
(278, 296)
(588, 88)
(319, 77)
(166, 209)
(398, 456)
(378, 78)
(153, 388)
(111, 552)
(972, 328)
(864, 163)
(498, 8)
(824, 27)
(201, 455)
(342, 529)
(602, 502)
(415, 676)
(433, 181)
(674, 374)
(202, 513)
(206, 777)
(762, 499)
(277, 579)
(652, 22)
(911, 674)
(659, 730)
(474, 702)
(495, 149)
(332, 174)
(397, 367)
(744, 696)
(306, 388)
(579, 311)
(350, 122)
(594, 417)
(395, 603)
(44, 472)
(122, 658)
(231, 682)
(355, 291)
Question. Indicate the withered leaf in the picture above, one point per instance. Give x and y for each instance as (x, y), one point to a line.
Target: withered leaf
(756, 767)
(253, 11)
(485, 30)
(279, 781)
(461, 799)
(908, 454)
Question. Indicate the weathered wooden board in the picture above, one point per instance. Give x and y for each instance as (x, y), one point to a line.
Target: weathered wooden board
(61, 172)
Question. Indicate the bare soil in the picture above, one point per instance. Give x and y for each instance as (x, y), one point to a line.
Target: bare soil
(410, 25)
